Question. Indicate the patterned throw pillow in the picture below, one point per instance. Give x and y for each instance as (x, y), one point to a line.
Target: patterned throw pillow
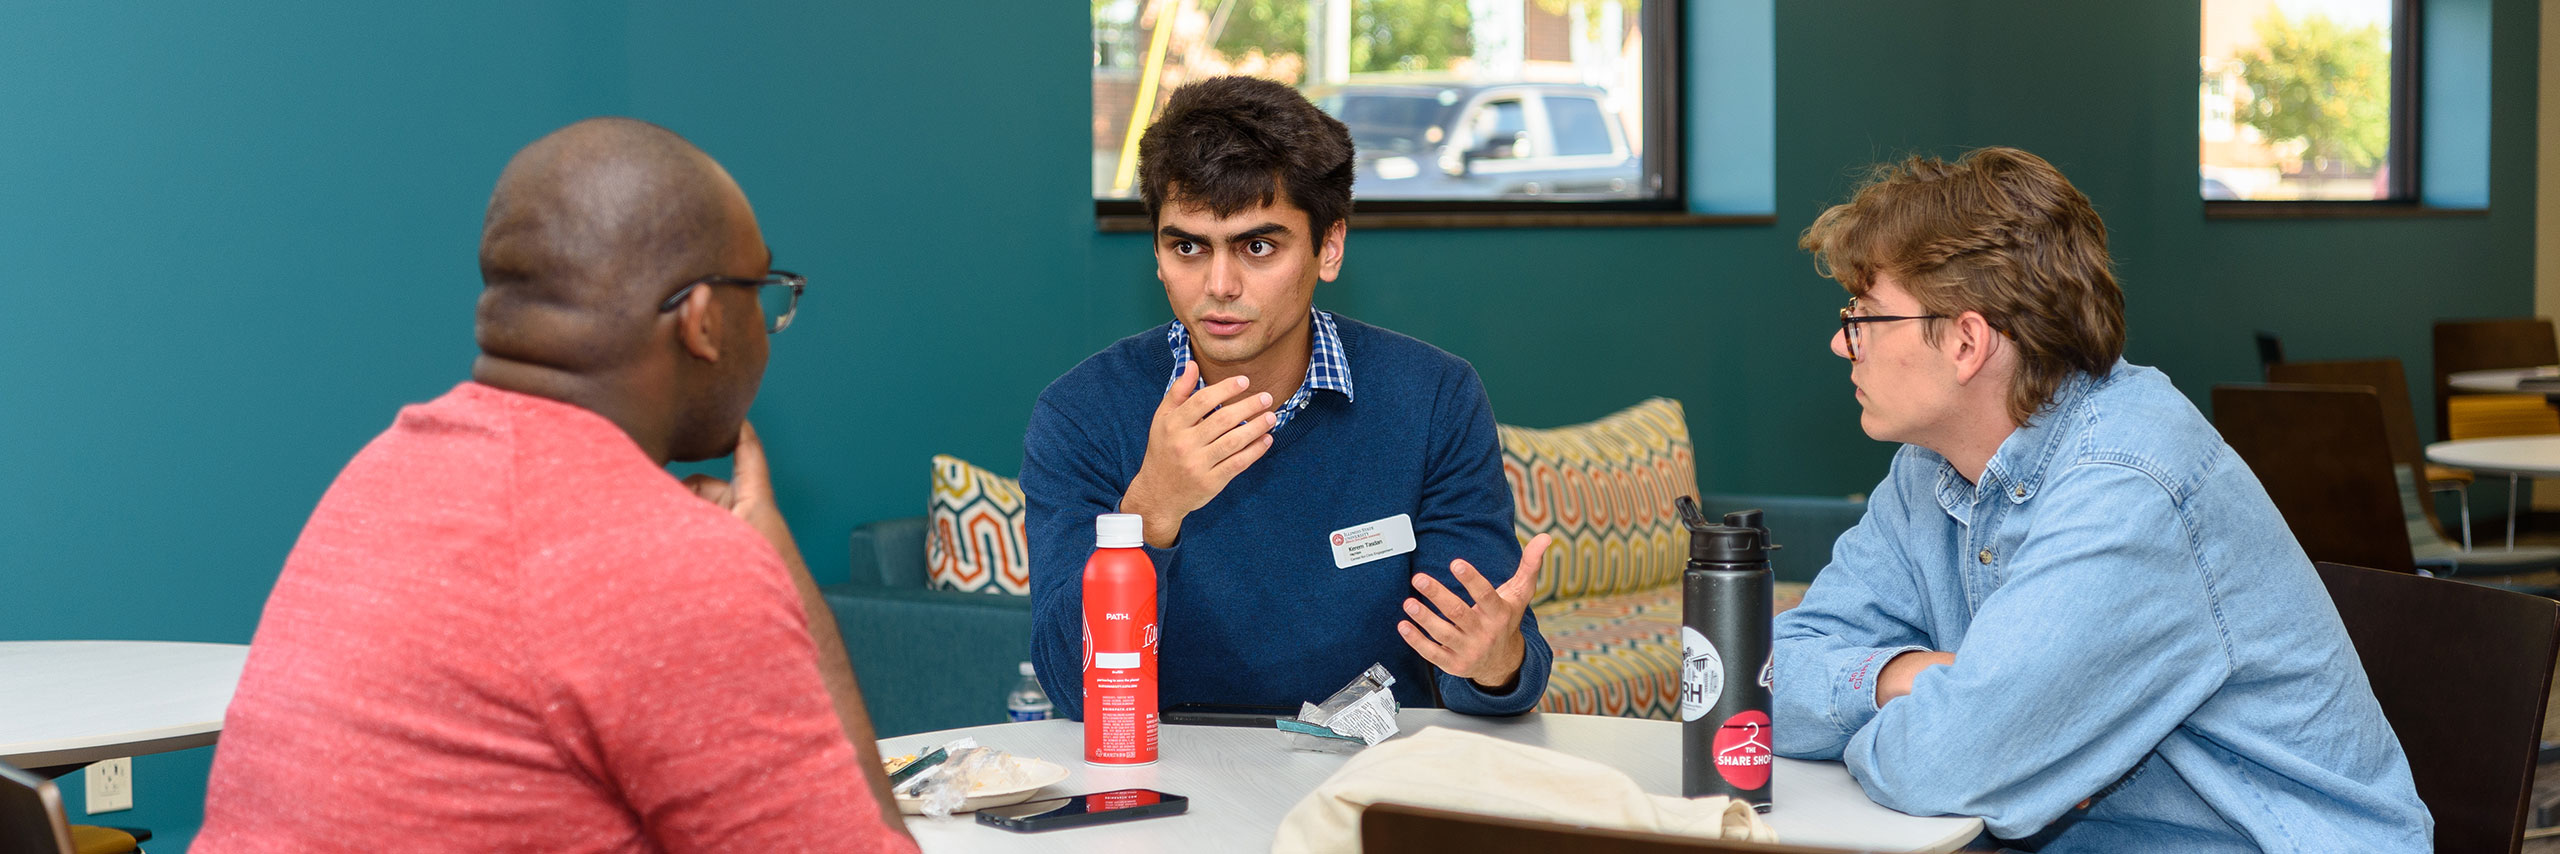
(1604, 490)
(976, 542)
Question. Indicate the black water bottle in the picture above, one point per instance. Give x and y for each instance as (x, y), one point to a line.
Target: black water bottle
(1724, 657)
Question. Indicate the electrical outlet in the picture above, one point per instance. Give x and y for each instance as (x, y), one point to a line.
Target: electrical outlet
(111, 786)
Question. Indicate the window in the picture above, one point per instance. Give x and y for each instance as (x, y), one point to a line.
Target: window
(2306, 101)
(1453, 105)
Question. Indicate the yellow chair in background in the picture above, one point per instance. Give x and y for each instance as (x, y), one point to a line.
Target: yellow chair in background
(2484, 416)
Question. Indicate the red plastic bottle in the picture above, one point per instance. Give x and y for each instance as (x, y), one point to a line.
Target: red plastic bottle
(1119, 645)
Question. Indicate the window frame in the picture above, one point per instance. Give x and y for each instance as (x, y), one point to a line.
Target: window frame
(2403, 161)
(1665, 160)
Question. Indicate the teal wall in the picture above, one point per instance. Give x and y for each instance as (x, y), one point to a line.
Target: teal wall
(240, 236)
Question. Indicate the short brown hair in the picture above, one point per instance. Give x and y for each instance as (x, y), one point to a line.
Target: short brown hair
(1231, 143)
(1999, 232)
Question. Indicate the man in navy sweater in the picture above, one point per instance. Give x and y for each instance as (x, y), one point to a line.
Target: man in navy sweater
(1297, 537)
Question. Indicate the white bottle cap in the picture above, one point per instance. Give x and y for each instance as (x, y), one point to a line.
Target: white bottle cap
(1118, 531)
(1026, 668)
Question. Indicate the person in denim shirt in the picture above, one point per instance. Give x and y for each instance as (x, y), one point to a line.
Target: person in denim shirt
(2070, 609)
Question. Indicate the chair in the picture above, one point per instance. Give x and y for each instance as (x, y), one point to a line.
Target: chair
(2463, 673)
(2399, 421)
(1388, 828)
(2473, 345)
(2483, 416)
(31, 814)
(2488, 416)
(32, 820)
(2270, 352)
(2324, 456)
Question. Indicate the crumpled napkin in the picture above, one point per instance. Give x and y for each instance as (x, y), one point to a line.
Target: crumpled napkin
(1450, 769)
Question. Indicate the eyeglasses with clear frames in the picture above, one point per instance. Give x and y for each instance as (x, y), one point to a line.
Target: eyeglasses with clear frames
(778, 305)
(1850, 320)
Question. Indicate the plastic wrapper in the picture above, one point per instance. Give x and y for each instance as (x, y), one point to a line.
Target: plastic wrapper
(969, 769)
(1363, 713)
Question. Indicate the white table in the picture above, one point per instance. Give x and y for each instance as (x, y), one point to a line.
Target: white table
(2513, 456)
(1242, 781)
(70, 703)
(2503, 380)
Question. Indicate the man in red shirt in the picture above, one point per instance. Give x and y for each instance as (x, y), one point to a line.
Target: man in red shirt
(505, 627)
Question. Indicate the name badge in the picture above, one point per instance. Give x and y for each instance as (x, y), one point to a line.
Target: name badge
(1370, 541)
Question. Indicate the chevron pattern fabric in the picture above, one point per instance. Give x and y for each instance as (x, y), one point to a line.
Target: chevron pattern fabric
(975, 544)
(1603, 490)
(1615, 655)
(1620, 654)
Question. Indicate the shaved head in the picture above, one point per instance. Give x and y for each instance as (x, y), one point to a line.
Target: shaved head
(591, 231)
(589, 228)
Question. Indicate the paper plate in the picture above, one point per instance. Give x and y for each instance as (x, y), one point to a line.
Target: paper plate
(1036, 774)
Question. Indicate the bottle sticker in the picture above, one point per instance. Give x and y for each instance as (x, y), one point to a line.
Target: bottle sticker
(1742, 750)
(1764, 671)
(1701, 675)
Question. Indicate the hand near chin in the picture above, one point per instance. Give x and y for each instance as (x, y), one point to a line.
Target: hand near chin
(748, 493)
(1199, 440)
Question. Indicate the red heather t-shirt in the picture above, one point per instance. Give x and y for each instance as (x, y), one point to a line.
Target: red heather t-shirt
(506, 629)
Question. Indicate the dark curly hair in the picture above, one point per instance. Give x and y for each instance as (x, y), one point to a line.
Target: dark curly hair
(1231, 143)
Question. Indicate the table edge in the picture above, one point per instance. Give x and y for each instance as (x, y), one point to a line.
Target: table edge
(82, 754)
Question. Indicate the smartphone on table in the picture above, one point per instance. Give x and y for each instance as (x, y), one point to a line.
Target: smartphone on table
(1082, 810)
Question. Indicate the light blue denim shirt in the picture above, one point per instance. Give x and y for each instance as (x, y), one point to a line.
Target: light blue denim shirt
(2131, 620)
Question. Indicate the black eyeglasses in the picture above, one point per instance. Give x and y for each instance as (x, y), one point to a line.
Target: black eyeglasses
(778, 305)
(1850, 321)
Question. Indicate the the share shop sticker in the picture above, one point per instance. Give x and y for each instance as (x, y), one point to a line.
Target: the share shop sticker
(1742, 750)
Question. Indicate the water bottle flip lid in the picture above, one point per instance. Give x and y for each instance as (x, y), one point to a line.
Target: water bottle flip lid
(1740, 539)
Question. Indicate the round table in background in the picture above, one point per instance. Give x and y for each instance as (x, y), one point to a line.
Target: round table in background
(2513, 456)
(64, 704)
(2505, 380)
(1243, 780)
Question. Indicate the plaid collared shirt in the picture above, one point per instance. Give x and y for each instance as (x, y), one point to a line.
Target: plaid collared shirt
(1327, 367)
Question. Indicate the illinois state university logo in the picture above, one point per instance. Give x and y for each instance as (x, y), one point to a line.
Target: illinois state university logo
(1742, 750)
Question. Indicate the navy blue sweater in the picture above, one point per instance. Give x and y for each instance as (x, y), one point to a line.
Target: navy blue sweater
(1252, 609)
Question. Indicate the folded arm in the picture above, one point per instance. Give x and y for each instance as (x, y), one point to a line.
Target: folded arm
(1865, 608)
(2100, 642)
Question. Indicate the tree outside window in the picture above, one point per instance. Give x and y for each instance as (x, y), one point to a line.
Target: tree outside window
(2297, 100)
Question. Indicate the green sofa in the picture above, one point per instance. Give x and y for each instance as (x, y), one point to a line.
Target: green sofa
(936, 659)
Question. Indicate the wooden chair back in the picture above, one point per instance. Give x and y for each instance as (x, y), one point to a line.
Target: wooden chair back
(2463, 673)
(2399, 416)
(2474, 345)
(1387, 828)
(2324, 457)
(2483, 416)
(2389, 384)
